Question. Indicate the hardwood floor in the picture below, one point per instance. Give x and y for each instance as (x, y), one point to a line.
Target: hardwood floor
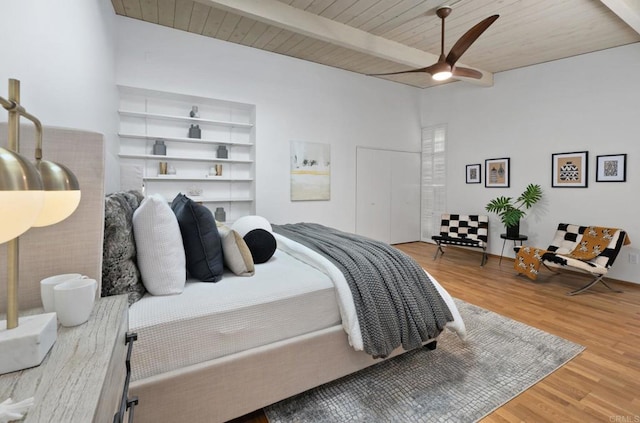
(602, 384)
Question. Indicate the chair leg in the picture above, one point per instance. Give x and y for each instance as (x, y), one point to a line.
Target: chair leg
(484, 257)
(598, 278)
(439, 250)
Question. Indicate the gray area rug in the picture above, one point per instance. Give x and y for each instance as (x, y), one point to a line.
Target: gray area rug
(458, 382)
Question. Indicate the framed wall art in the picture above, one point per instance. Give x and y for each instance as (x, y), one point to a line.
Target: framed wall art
(611, 168)
(473, 174)
(497, 173)
(310, 171)
(570, 170)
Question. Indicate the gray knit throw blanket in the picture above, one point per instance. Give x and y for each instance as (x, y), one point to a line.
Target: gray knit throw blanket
(396, 302)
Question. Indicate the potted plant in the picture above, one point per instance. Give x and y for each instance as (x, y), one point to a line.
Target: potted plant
(511, 212)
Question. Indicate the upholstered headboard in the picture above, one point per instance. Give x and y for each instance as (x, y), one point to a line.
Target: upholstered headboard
(74, 245)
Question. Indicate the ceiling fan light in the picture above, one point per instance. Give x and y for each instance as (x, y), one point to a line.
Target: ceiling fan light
(442, 75)
(441, 71)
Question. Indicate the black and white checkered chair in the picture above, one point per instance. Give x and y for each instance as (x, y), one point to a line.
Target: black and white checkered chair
(566, 238)
(463, 231)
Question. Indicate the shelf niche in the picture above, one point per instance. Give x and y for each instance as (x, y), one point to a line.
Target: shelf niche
(150, 115)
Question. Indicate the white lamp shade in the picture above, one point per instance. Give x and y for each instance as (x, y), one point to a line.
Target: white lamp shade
(18, 211)
(58, 205)
(21, 195)
(62, 192)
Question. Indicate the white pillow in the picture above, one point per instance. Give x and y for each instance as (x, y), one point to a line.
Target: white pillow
(160, 252)
(246, 224)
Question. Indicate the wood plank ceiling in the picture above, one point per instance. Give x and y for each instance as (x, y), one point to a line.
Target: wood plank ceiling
(377, 36)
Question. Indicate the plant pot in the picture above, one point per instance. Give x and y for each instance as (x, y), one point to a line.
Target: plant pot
(513, 231)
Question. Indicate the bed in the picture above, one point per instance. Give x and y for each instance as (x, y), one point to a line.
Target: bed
(247, 365)
(220, 350)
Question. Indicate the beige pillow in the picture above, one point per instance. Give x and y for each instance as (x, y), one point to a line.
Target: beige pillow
(237, 256)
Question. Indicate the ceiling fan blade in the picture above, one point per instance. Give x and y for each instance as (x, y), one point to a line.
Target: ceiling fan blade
(467, 73)
(401, 72)
(469, 38)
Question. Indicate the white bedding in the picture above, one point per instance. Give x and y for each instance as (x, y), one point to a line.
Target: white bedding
(211, 320)
(285, 298)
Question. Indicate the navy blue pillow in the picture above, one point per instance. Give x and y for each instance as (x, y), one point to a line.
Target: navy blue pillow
(262, 245)
(202, 245)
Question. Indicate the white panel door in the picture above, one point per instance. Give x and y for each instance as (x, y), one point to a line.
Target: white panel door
(405, 197)
(388, 195)
(373, 194)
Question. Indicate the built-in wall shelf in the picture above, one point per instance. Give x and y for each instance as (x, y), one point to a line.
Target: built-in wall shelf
(225, 147)
(199, 199)
(182, 158)
(187, 178)
(145, 137)
(184, 119)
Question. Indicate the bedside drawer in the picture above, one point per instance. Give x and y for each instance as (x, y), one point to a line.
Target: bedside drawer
(127, 405)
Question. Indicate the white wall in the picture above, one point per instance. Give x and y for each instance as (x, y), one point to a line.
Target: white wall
(63, 54)
(588, 102)
(295, 100)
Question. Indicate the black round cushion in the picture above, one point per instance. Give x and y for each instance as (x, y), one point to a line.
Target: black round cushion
(261, 243)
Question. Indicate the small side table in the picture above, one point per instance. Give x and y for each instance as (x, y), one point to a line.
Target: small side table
(520, 238)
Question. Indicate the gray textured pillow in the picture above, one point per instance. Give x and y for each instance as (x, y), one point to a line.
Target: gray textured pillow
(120, 274)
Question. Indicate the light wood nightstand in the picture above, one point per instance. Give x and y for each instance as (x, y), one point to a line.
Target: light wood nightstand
(84, 377)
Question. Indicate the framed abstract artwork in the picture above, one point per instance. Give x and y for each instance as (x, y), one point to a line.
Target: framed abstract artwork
(310, 171)
(473, 174)
(570, 170)
(497, 173)
(611, 168)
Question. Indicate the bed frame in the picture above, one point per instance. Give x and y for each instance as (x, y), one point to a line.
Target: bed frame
(214, 391)
(234, 385)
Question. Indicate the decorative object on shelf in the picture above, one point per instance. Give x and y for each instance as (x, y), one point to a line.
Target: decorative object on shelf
(220, 215)
(194, 191)
(570, 170)
(194, 131)
(212, 171)
(511, 212)
(222, 152)
(32, 196)
(159, 149)
(171, 170)
(310, 171)
(497, 173)
(162, 168)
(473, 174)
(194, 112)
(611, 168)
(218, 170)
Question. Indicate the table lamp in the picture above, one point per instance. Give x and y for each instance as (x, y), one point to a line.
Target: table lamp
(31, 195)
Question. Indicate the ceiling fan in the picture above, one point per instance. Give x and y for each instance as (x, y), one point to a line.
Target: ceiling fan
(446, 67)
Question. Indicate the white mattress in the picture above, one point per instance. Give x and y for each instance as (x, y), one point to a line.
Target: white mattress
(211, 320)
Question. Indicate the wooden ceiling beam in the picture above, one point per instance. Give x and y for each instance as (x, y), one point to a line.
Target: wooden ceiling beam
(281, 15)
(627, 10)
